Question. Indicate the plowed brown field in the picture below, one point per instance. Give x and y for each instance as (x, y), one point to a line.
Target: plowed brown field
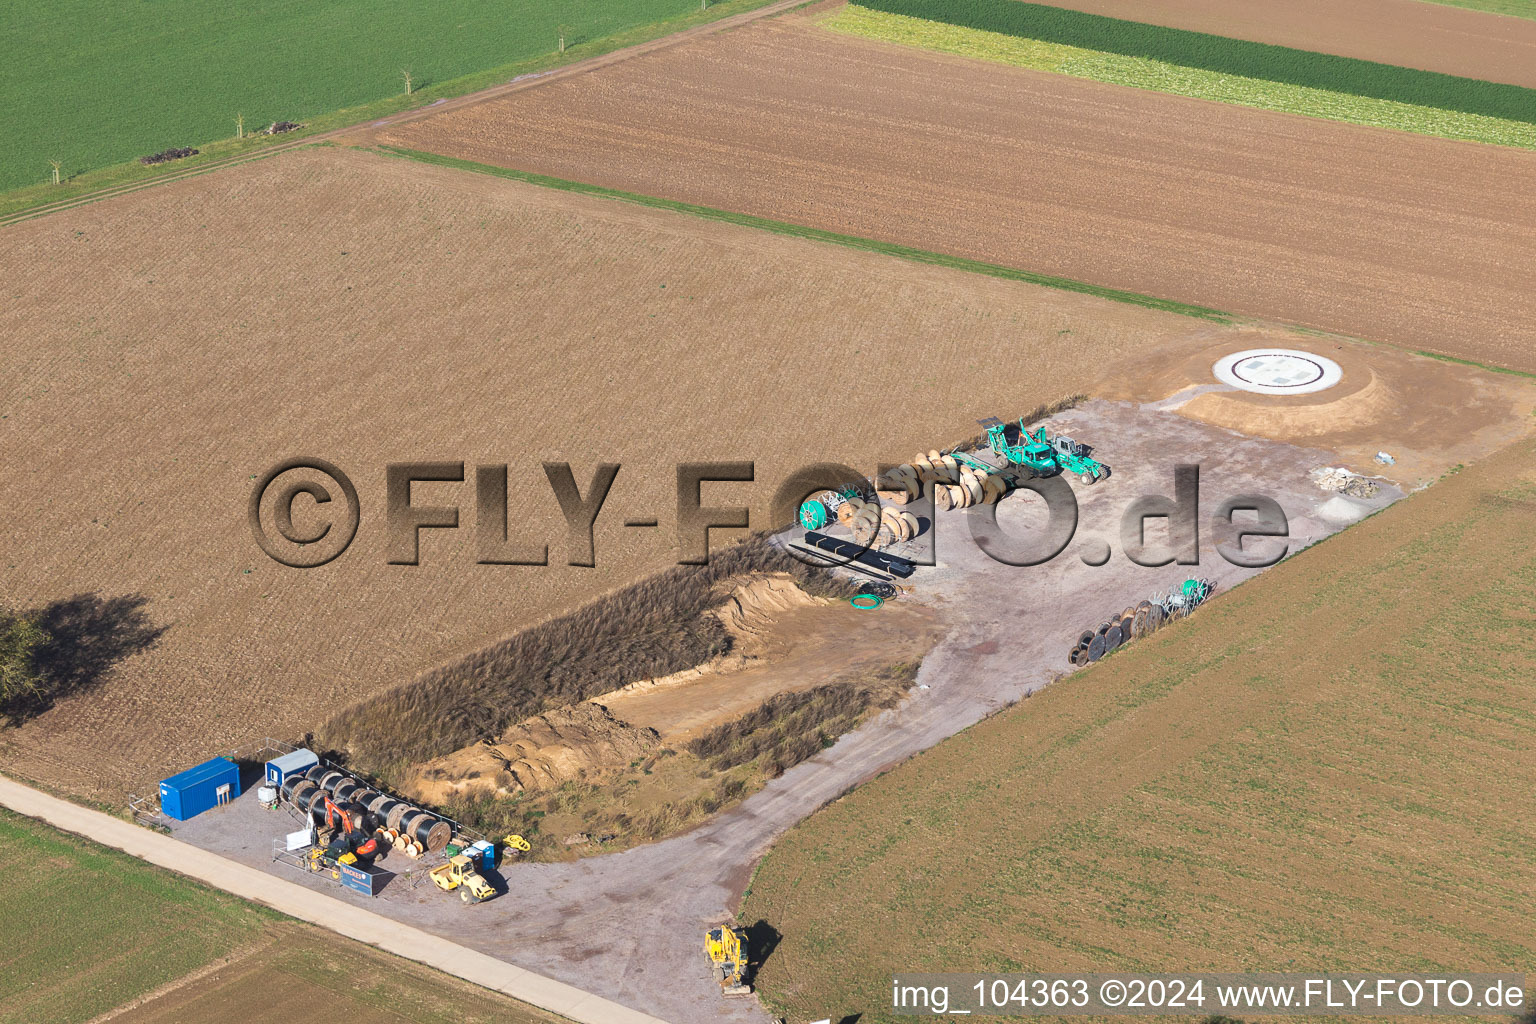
(1417, 241)
(164, 348)
(1412, 33)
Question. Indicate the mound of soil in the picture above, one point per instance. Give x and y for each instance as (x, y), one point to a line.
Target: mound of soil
(537, 754)
(165, 156)
(1429, 413)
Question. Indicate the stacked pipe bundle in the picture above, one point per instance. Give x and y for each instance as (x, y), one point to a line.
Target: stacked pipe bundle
(954, 484)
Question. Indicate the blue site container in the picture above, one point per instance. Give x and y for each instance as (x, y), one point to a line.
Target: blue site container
(195, 790)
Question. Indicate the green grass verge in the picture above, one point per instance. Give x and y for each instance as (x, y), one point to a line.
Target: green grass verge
(1146, 73)
(97, 122)
(84, 928)
(1513, 8)
(1224, 56)
(818, 235)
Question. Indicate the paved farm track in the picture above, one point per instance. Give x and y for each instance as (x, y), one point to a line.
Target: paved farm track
(317, 908)
(1412, 33)
(1395, 237)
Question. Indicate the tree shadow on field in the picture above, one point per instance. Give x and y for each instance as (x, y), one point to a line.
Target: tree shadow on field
(88, 635)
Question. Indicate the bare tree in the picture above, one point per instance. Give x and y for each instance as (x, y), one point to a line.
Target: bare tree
(239, 126)
(564, 30)
(406, 73)
(55, 165)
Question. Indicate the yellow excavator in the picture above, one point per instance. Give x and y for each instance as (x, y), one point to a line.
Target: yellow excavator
(461, 873)
(726, 948)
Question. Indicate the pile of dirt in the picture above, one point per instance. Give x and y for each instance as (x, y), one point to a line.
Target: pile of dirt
(537, 754)
(1429, 413)
(1338, 480)
(165, 156)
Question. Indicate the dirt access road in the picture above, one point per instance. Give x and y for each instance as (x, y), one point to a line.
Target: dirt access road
(1411, 33)
(1422, 242)
(629, 925)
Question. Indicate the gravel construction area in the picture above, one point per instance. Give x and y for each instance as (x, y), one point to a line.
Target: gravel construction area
(1412, 33)
(628, 926)
(1378, 234)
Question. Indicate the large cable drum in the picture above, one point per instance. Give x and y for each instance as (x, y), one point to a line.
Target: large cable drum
(331, 779)
(316, 773)
(304, 796)
(428, 830)
(380, 807)
(397, 815)
(344, 790)
(290, 783)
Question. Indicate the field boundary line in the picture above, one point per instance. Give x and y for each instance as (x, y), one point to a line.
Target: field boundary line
(319, 909)
(521, 82)
(779, 227)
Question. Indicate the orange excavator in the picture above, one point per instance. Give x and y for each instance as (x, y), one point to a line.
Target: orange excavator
(349, 841)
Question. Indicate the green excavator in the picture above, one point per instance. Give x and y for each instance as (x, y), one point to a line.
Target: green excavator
(1043, 455)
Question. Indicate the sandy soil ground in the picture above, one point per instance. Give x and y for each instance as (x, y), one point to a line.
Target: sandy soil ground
(627, 925)
(1395, 237)
(1428, 414)
(1450, 40)
(807, 647)
(166, 347)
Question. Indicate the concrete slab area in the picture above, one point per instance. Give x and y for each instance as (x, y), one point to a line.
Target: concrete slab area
(629, 926)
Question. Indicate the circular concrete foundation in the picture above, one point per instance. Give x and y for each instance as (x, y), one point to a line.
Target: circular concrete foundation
(1277, 371)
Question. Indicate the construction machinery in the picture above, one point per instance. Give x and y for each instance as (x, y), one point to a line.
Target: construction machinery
(726, 948)
(1073, 457)
(1040, 454)
(1035, 456)
(463, 873)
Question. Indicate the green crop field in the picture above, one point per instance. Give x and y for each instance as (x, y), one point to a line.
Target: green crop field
(1146, 73)
(109, 82)
(84, 929)
(1514, 8)
(1328, 768)
(1224, 56)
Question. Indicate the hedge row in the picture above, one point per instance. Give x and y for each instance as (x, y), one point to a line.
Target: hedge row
(1223, 55)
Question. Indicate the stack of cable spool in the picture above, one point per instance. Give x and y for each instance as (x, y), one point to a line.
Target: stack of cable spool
(862, 517)
(308, 799)
(1136, 621)
(896, 525)
(397, 814)
(954, 484)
